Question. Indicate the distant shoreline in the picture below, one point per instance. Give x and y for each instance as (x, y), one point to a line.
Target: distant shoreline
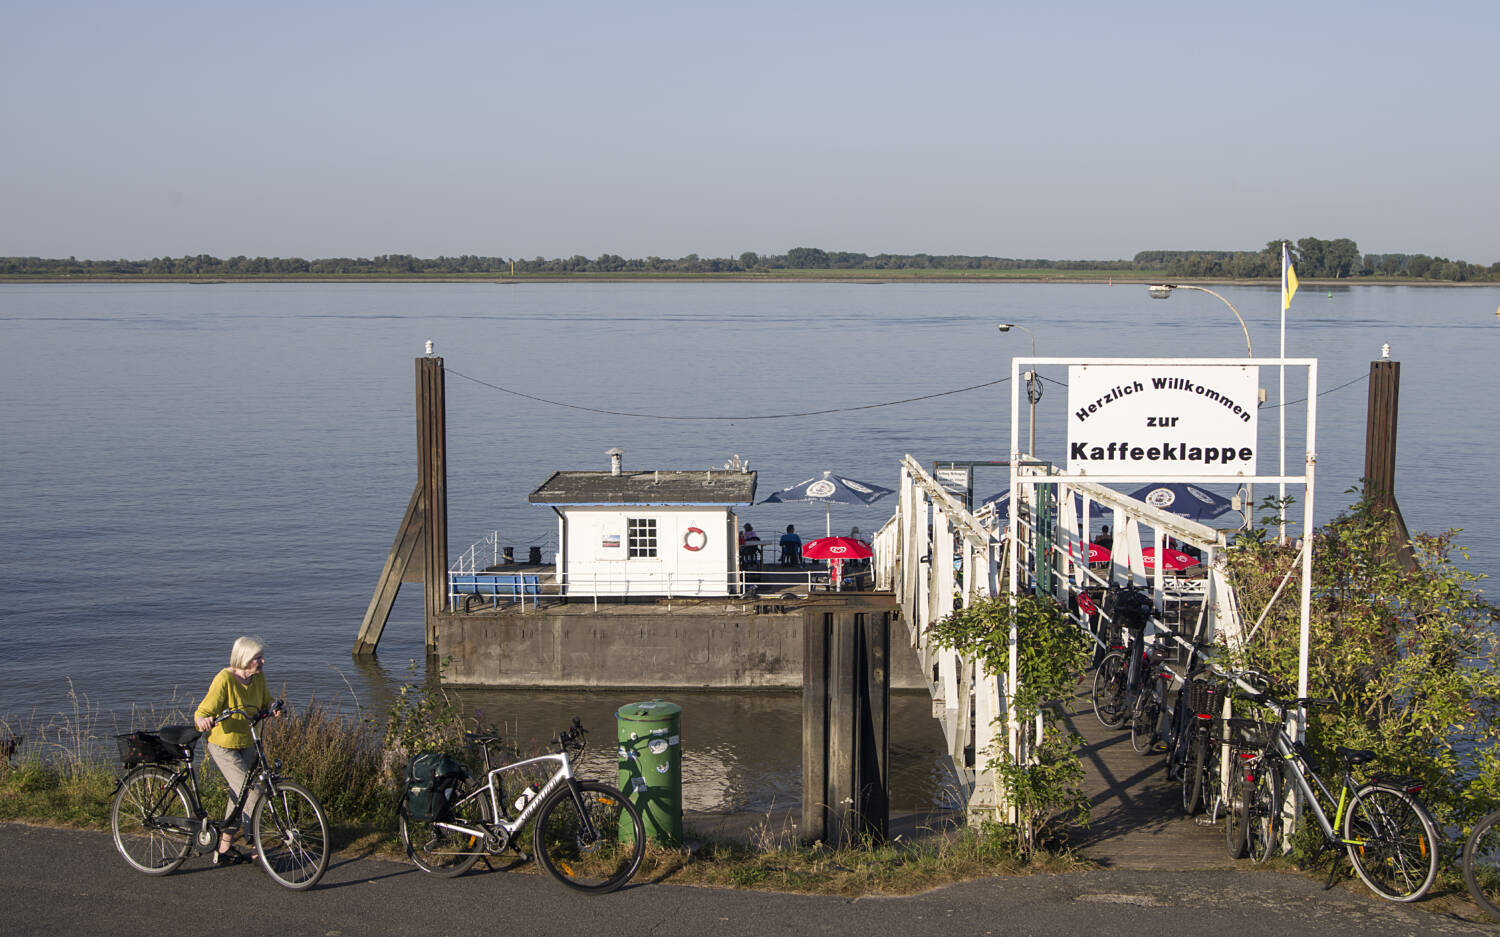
(1132, 279)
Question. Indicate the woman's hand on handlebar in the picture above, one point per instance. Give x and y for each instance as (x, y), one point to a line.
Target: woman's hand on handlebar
(204, 723)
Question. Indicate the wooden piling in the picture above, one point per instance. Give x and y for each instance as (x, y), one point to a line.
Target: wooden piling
(845, 722)
(420, 550)
(1380, 452)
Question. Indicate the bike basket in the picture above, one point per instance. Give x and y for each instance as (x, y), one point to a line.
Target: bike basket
(431, 782)
(146, 748)
(1203, 696)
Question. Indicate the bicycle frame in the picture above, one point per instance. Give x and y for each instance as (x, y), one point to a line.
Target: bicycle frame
(492, 787)
(201, 827)
(1302, 772)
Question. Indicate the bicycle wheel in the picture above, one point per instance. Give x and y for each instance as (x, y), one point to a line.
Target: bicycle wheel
(291, 835)
(1143, 722)
(443, 851)
(1109, 691)
(1392, 843)
(1262, 807)
(595, 852)
(1482, 865)
(151, 821)
(1234, 814)
(1193, 772)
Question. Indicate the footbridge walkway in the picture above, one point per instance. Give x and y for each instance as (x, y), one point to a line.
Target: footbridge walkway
(935, 556)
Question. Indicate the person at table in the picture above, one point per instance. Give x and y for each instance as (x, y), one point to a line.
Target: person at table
(791, 547)
(749, 546)
(1104, 539)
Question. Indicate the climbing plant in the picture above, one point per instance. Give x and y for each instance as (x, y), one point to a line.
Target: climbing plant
(1045, 785)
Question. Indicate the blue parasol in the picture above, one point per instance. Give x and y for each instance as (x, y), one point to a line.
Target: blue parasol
(1001, 501)
(829, 489)
(1184, 500)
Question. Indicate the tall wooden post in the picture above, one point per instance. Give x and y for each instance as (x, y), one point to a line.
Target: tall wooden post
(1380, 452)
(420, 551)
(1380, 431)
(845, 723)
(432, 477)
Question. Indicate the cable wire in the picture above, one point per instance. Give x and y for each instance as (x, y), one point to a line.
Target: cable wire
(1321, 393)
(763, 416)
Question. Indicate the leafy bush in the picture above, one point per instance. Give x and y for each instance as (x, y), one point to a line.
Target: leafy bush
(1407, 652)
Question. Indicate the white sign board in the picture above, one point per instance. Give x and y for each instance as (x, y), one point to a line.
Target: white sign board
(958, 482)
(1162, 420)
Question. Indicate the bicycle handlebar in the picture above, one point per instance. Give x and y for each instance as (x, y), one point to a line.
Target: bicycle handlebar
(1282, 706)
(274, 710)
(573, 735)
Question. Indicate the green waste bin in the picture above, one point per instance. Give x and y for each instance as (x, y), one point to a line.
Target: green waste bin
(651, 766)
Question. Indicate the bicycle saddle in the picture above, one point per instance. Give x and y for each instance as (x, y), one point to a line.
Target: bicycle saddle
(1355, 756)
(184, 736)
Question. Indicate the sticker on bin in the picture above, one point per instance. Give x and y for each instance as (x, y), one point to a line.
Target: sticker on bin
(663, 768)
(625, 753)
(637, 785)
(675, 740)
(657, 746)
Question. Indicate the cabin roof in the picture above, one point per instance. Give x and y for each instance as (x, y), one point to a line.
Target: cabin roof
(663, 487)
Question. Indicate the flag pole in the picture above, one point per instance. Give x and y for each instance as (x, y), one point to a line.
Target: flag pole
(1281, 401)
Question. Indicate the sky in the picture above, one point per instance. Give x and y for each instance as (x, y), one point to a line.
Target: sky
(1086, 130)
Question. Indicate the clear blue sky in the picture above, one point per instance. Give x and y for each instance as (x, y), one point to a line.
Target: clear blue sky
(1088, 130)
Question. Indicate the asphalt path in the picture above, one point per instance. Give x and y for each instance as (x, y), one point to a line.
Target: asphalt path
(64, 882)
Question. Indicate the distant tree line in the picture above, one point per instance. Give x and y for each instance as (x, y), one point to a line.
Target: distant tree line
(1313, 257)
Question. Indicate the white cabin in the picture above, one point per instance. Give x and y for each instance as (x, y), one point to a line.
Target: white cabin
(654, 533)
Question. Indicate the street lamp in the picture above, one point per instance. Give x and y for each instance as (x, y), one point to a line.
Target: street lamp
(1164, 290)
(1033, 384)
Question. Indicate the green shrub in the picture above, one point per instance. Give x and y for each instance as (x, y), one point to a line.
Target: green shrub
(1408, 653)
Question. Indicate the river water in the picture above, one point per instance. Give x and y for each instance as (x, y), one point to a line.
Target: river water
(180, 464)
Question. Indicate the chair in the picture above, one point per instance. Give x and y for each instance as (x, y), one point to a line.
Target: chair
(750, 554)
(791, 553)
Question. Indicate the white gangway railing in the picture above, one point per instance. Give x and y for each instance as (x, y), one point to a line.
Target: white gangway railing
(936, 556)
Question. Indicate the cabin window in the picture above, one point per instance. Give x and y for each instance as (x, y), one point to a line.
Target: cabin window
(642, 536)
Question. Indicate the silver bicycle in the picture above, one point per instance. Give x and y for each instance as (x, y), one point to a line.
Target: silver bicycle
(586, 833)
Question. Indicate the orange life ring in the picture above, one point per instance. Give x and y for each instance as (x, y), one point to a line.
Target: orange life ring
(694, 539)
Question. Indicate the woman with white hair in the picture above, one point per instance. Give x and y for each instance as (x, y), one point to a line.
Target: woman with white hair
(241, 685)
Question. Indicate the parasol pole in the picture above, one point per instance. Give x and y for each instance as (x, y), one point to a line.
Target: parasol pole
(827, 519)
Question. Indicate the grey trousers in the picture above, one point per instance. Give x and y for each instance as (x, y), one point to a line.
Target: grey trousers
(235, 764)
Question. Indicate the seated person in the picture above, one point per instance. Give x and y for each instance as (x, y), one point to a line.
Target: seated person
(1105, 539)
(791, 547)
(749, 555)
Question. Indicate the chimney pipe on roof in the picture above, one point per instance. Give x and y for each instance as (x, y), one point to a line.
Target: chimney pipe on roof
(616, 455)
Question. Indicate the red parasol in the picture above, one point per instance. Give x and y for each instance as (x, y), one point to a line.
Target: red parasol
(1175, 560)
(1097, 554)
(836, 548)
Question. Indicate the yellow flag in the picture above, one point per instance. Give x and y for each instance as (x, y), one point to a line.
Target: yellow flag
(1288, 280)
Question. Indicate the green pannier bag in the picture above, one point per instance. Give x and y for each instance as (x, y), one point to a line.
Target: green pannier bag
(431, 782)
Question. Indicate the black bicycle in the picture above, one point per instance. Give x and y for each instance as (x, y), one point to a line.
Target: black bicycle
(158, 820)
(1119, 678)
(1482, 864)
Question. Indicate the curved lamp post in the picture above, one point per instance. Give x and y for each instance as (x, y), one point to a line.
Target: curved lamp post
(1033, 386)
(1165, 289)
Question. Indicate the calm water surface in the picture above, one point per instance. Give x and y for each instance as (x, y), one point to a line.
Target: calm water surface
(180, 464)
